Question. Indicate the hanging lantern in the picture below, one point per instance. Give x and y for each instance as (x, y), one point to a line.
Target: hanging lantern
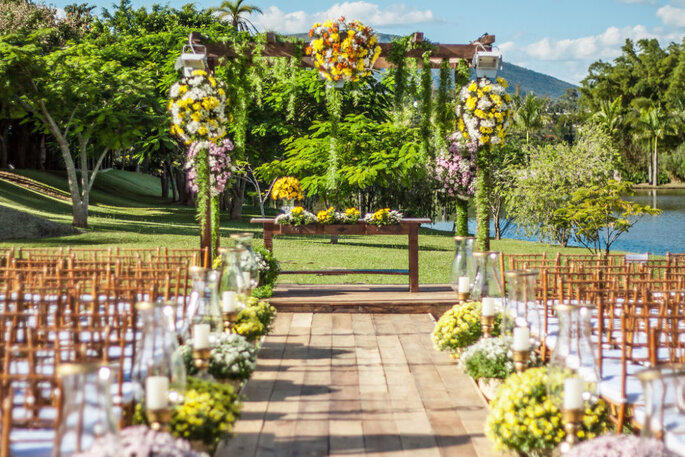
(487, 63)
(193, 57)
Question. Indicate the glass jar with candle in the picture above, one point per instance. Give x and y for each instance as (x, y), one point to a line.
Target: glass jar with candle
(249, 264)
(487, 281)
(158, 372)
(463, 267)
(521, 309)
(573, 353)
(204, 306)
(233, 286)
(85, 408)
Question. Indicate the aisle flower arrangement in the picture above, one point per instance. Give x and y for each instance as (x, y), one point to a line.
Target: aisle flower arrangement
(484, 111)
(619, 446)
(232, 357)
(296, 216)
(383, 217)
(140, 441)
(255, 320)
(287, 188)
(524, 419)
(488, 358)
(458, 328)
(343, 50)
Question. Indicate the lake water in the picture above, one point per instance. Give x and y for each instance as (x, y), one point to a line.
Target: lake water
(654, 234)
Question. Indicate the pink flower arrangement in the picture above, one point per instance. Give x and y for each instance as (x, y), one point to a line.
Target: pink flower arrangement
(455, 170)
(618, 446)
(220, 166)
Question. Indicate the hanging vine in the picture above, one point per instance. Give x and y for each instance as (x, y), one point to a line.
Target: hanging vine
(444, 114)
(334, 104)
(398, 57)
(426, 105)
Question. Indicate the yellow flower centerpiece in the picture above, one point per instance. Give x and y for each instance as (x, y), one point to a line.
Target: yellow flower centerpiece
(343, 50)
(287, 188)
(351, 216)
(383, 217)
(458, 327)
(525, 420)
(484, 111)
(328, 216)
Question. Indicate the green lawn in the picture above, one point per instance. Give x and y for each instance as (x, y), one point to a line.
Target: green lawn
(127, 211)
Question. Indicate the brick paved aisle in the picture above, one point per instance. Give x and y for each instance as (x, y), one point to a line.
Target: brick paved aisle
(357, 385)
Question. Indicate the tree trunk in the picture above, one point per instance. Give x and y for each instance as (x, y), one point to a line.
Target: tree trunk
(655, 168)
(238, 192)
(461, 222)
(4, 138)
(163, 183)
(80, 214)
(174, 184)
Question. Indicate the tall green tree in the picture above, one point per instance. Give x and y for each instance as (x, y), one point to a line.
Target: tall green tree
(653, 125)
(234, 12)
(529, 114)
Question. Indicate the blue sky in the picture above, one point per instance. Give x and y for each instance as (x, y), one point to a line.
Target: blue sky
(557, 37)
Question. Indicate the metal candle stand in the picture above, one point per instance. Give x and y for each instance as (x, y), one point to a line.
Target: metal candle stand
(521, 359)
(158, 418)
(463, 296)
(487, 324)
(572, 418)
(229, 320)
(201, 358)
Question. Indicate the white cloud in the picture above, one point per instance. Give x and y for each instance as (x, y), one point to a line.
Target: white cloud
(672, 16)
(506, 47)
(648, 2)
(371, 14)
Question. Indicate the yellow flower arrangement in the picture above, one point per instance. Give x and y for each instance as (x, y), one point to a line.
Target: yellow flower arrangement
(197, 104)
(484, 111)
(343, 50)
(327, 216)
(458, 327)
(524, 419)
(383, 217)
(351, 215)
(287, 188)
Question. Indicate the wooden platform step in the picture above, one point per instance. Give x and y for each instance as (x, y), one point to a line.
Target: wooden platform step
(363, 298)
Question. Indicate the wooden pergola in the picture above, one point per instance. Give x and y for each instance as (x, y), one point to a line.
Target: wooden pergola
(274, 48)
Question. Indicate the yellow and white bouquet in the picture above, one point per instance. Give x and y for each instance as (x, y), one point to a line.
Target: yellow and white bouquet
(287, 188)
(458, 327)
(197, 104)
(484, 111)
(343, 50)
(296, 216)
(351, 216)
(383, 217)
(328, 216)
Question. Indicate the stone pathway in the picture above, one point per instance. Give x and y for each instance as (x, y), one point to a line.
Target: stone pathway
(357, 385)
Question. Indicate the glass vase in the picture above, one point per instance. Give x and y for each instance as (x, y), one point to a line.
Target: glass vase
(487, 281)
(574, 353)
(463, 267)
(204, 306)
(233, 285)
(85, 408)
(249, 264)
(521, 309)
(158, 356)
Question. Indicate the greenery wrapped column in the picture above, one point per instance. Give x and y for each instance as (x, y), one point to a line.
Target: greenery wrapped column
(461, 221)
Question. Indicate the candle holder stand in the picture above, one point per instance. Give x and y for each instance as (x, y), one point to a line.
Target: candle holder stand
(521, 359)
(158, 418)
(487, 324)
(572, 419)
(229, 320)
(201, 358)
(463, 296)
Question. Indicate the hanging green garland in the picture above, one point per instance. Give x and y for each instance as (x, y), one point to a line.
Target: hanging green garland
(398, 57)
(334, 104)
(426, 105)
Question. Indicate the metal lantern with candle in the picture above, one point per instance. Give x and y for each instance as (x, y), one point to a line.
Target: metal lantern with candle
(249, 263)
(487, 287)
(158, 371)
(233, 285)
(85, 408)
(206, 321)
(521, 309)
(463, 267)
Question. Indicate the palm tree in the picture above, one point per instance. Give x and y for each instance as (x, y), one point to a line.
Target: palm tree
(610, 116)
(529, 114)
(233, 11)
(653, 124)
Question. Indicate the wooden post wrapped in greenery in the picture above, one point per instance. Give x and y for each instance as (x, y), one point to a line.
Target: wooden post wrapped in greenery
(483, 116)
(197, 105)
(461, 220)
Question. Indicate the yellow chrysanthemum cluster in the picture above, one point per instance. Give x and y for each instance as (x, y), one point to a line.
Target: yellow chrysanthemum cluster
(523, 418)
(343, 50)
(327, 216)
(458, 327)
(287, 188)
(484, 111)
(352, 214)
(198, 108)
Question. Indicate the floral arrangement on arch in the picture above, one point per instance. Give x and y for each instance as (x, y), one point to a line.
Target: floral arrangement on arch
(198, 108)
(343, 50)
(523, 418)
(382, 217)
(220, 167)
(287, 188)
(484, 111)
(296, 216)
(455, 169)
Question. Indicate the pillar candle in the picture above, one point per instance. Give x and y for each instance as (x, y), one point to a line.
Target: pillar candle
(156, 392)
(229, 301)
(201, 336)
(246, 278)
(488, 308)
(573, 393)
(521, 339)
(464, 285)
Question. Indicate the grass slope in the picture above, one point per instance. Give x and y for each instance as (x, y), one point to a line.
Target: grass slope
(127, 211)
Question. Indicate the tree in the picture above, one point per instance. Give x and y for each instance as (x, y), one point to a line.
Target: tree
(234, 11)
(529, 114)
(610, 115)
(84, 98)
(653, 125)
(598, 215)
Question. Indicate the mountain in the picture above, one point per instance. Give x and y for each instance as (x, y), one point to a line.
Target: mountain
(526, 80)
